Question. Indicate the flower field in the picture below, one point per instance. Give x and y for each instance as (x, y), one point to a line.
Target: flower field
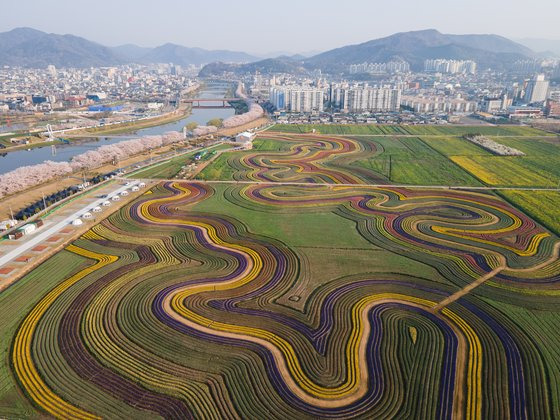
(319, 297)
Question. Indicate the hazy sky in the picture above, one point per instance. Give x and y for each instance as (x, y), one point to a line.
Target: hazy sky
(261, 26)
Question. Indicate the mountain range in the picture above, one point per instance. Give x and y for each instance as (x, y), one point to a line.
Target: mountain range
(489, 51)
(31, 48)
(28, 47)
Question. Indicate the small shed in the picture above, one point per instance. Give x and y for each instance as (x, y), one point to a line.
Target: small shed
(245, 137)
(27, 229)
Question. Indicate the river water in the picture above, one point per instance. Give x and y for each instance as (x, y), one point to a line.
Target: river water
(64, 152)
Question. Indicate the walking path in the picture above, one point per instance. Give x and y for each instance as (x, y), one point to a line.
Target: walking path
(48, 232)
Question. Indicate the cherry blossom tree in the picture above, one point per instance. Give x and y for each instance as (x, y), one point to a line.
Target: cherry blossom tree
(29, 176)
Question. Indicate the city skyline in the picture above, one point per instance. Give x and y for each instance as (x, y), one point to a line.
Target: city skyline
(210, 25)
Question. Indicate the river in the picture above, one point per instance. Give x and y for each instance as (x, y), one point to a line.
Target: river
(64, 152)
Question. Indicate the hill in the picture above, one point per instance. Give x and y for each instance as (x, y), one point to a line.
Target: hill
(28, 47)
(491, 51)
(177, 54)
(130, 52)
(267, 66)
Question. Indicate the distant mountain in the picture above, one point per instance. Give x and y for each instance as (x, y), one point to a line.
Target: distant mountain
(31, 48)
(28, 47)
(177, 54)
(487, 50)
(276, 54)
(492, 43)
(267, 66)
(130, 52)
(542, 45)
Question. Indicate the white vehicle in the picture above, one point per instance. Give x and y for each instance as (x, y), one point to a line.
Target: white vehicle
(77, 222)
(124, 193)
(87, 215)
(135, 188)
(27, 229)
(96, 209)
(127, 184)
(106, 203)
(116, 198)
(142, 184)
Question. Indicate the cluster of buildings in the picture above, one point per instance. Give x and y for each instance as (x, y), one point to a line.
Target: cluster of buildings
(530, 98)
(380, 68)
(340, 97)
(438, 104)
(440, 65)
(49, 89)
(446, 92)
(297, 98)
(364, 98)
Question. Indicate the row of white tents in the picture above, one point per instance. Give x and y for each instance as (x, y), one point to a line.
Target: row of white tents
(98, 209)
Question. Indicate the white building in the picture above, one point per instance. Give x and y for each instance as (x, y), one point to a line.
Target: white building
(440, 65)
(297, 98)
(364, 98)
(380, 68)
(537, 90)
(244, 137)
(554, 95)
(372, 99)
(496, 104)
(431, 104)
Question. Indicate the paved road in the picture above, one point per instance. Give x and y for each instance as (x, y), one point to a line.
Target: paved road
(400, 135)
(423, 187)
(46, 233)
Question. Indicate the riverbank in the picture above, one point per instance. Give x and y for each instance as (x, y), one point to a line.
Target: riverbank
(182, 112)
(119, 128)
(25, 198)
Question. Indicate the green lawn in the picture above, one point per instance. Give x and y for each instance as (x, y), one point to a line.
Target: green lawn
(170, 168)
(543, 206)
(323, 229)
(410, 160)
(454, 146)
(219, 169)
(422, 130)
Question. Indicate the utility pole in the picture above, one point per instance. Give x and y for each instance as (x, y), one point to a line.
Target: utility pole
(11, 212)
(44, 202)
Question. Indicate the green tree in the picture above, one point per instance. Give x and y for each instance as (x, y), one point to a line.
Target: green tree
(216, 122)
(191, 126)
